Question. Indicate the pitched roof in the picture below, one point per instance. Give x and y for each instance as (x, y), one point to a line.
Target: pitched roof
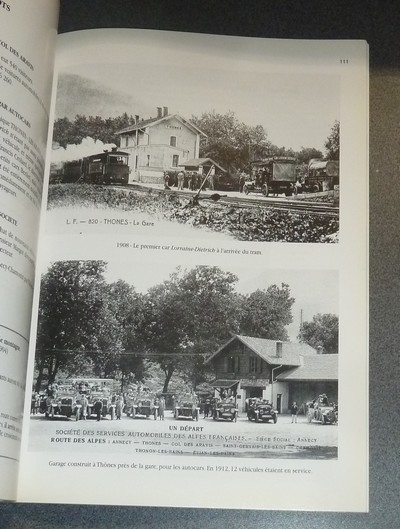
(153, 121)
(197, 162)
(318, 367)
(266, 349)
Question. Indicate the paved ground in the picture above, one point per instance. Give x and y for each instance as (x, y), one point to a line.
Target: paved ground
(205, 437)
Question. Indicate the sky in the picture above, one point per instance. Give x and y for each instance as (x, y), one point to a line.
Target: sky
(296, 106)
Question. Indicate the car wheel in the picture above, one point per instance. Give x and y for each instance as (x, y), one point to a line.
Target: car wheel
(246, 190)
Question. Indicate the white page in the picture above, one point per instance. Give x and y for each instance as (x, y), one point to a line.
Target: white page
(28, 31)
(297, 90)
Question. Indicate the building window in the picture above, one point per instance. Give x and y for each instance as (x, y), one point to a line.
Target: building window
(253, 364)
(175, 160)
(238, 364)
(231, 364)
(148, 160)
(172, 141)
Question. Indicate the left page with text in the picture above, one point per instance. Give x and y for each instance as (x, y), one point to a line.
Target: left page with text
(28, 31)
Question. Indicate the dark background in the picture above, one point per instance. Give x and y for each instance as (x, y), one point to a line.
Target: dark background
(378, 24)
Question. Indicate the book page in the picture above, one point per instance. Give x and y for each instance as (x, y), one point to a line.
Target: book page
(201, 329)
(27, 41)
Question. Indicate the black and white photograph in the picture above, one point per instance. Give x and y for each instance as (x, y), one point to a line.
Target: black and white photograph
(233, 142)
(202, 361)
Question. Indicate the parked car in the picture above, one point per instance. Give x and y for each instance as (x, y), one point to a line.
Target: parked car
(323, 411)
(187, 408)
(274, 175)
(63, 402)
(225, 410)
(261, 410)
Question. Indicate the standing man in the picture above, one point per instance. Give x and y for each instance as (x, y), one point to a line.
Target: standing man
(97, 407)
(161, 408)
(84, 409)
(119, 404)
(181, 177)
(242, 180)
(211, 177)
(294, 410)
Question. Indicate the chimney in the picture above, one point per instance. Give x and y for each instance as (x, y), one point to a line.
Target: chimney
(136, 118)
(165, 110)
(279, 349)
(159, 112)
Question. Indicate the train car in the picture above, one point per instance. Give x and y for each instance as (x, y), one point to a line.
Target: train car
(71, 171)
(108, 167)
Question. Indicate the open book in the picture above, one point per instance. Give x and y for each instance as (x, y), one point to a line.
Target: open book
(183, 268)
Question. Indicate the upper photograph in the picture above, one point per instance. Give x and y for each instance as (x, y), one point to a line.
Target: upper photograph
(189, 135)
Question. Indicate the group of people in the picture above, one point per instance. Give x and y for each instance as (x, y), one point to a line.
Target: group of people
(191, 180)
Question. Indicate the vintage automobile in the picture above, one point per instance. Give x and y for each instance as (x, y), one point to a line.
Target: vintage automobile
(225, 410)
(187, 408)
(145, 407)
(261, 410)
(108, 406)
(63, 402)
(140, 404)
(274, 175)
(322, 175)
(321, 410)
(97, 389)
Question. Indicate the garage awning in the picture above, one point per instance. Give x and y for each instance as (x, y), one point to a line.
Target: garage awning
(225, 383)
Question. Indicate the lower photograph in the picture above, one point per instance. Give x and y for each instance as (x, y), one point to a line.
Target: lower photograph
(206, 361)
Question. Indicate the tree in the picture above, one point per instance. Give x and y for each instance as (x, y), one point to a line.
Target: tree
(281, 151)
(230, 142)
(322, 331)
(187, 316)
(68, 132)
(62, 131)
(120, 344)
(266, 313)
(69, 317)
(307, 153)
(332, 143)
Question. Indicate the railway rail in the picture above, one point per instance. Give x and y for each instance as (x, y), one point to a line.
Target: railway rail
(311, 208)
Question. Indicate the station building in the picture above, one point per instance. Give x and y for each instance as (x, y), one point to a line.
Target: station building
(162, 143)
(281, 372)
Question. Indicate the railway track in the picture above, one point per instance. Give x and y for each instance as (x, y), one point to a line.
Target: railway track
(311, 208)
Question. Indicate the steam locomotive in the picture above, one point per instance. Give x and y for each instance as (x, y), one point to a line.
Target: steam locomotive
(108, 167)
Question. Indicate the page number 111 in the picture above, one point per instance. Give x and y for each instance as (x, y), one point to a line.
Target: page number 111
(344, 61)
